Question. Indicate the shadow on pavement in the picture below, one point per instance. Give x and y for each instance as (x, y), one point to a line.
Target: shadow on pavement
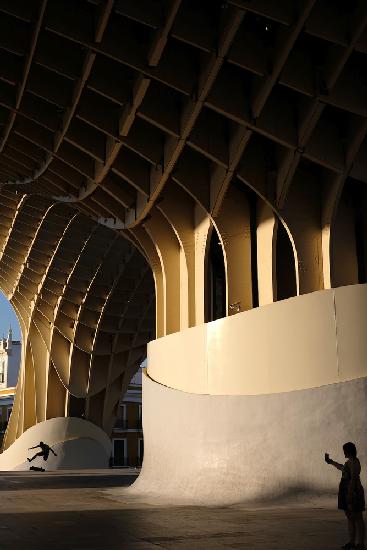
(171, 528)
(44, 481)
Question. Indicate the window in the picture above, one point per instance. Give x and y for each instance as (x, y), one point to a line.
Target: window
(120, 452)
(2, 372)
(140, 451)
(140, 412)
(121, 423)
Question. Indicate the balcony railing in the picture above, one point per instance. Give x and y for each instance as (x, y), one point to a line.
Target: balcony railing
(122, 424)
(126, 462)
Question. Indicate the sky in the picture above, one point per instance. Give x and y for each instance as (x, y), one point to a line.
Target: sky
(8, 317)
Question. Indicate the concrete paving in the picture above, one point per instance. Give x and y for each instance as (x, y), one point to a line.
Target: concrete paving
(89, 510)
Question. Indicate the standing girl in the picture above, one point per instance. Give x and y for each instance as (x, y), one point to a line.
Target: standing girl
(351, 496)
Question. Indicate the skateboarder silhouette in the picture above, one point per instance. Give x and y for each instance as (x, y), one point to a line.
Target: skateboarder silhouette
(45, 451)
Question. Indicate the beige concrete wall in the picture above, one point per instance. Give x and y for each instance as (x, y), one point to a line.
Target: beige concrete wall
(304, 342)
(351, 308)
(179, 360)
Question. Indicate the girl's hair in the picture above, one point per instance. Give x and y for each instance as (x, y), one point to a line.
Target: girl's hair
(350, 449)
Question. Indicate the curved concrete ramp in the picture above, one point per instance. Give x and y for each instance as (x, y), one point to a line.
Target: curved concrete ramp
(79, 444)
(214, 449)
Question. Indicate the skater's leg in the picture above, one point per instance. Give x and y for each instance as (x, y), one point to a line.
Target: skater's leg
(35, 456)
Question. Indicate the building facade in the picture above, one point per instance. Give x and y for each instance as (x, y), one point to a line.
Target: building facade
(10, 360)
(10, 357)
(127, 434)
(6, 407)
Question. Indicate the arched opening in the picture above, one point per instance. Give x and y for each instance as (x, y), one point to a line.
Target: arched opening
(271, 262)
(286, 285)
(361, 233)
(349, 230)
(273, 274)
(85, 324)
(216, 277)
(236, 223)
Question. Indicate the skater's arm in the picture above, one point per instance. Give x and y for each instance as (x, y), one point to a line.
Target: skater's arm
(36, 447)
(53, 451)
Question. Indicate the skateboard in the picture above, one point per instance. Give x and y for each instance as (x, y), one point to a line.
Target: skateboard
(37, 469)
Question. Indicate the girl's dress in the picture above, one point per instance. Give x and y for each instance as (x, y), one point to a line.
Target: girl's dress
(358, 503)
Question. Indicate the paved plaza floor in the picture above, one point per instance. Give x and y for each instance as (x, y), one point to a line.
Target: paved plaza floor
(73, 510)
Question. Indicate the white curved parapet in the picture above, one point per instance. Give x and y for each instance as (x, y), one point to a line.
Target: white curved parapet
(303, 342)
(79, 444)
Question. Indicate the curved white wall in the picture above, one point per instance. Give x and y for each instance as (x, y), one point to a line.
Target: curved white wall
(304, 342)
(215, 449)
(78, 443)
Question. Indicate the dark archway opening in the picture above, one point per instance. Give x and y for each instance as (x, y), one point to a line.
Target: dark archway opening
(253, 200)
(349, 230)
(77, 406)
(217, 279)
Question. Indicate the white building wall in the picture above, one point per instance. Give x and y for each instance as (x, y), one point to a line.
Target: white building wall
(10, 356)
(13, 364)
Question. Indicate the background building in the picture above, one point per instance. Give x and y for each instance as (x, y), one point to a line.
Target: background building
(127, 435)
(10, 357)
